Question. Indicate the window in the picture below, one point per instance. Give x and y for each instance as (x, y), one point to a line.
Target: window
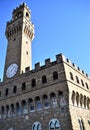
(89, 121)
(53, 99)
(86, 85)
(12, 108)
(23, 86)
(33, 82)
(82, 82)
(77, 98)
(15, 89)
(24, 107)
(81, 124)
(36, 126)
(73, 97)
(6, 92)
(55, 75)
(44, 79)
(0, 93)
(7, 110)
(62, 100)
(31, 105)
(54, 124)
(45, 101)
(71, 76)
(77, 80)
(18, 109)
(38, 103)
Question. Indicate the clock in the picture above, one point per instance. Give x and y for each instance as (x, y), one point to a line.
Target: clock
(11, 70)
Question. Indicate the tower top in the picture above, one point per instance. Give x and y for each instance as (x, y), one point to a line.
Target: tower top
(20, 12)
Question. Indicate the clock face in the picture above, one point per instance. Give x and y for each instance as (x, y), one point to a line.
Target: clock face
(11, 70)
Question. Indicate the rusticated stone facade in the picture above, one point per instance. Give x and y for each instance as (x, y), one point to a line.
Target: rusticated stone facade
(55, 96)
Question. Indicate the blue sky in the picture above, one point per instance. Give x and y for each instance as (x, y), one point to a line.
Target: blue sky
(61, 26)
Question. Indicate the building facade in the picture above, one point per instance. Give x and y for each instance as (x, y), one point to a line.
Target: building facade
(55, 96)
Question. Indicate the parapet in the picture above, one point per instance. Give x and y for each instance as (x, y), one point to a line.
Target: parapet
(60, 58)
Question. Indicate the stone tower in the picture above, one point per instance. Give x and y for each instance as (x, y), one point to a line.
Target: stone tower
(19, 33)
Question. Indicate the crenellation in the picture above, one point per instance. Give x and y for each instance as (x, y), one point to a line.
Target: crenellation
(37, 66)
(47, 62)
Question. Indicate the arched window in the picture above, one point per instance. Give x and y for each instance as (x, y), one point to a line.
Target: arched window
(24, 107)
(71, 76)
(6, 92)
(81, 100)
(55, 75)
(45, 101)
(36, 126)
(54, 124)
(0, 93)
(31, 104)
(12, 108)
(38, 103)
(62, 100)
(2, 111)
(7, 110)
(33, 83)
(73, 97)
(23, 86)
(82, 82)
(53, 99)
(85, 101)
(18, 109)
(14, 89)
(77, 80)
(77, 98)
(81, 124)
(44, 79)
(86, 85)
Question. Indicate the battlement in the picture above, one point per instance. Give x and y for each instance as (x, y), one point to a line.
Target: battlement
(59, 58)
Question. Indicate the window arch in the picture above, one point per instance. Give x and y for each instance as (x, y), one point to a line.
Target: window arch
(24, 107)
(23, 86)
(38, 103)
(7, 110)
(73, 97)
(33, 82)
(71, 76)
(18, 109)
(44, 79)
(54, 124)
(82, 82)
(86, 85)
(14, 89)
(77, 98)
(53, 99)
(55, 75)
(12, 109)
(6, 92)
(45, 101)
(62, 100)
(31, 104)
(77, 79)
(81, 100)
(36, 126)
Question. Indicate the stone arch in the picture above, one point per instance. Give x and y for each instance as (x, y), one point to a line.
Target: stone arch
(73, 97)
(84, 101)
(44, 79)
(45, 100)
(77, 98)
(31, 104)
(55, 75)
(53, 99)
(38, 103)
(18, 109)
(81, 100)
(24, 107)
(62, 100)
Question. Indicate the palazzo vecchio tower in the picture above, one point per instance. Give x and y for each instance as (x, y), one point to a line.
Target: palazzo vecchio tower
(55, 96)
